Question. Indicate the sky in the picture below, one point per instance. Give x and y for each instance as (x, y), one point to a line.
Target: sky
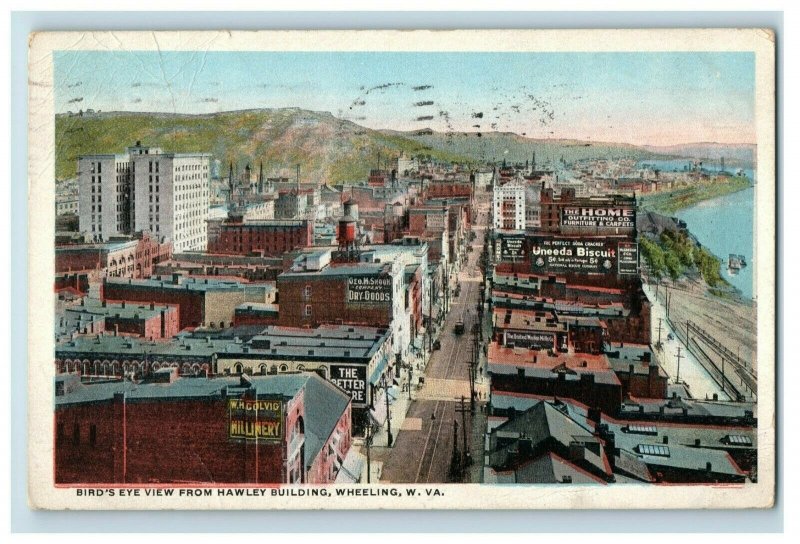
(638, 98)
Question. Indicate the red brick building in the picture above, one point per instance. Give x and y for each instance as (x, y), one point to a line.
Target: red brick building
(145, 320)
(292, 428)
(354, 293)
(122, 257)
(267, 238)
(448, 189)
(201, 301)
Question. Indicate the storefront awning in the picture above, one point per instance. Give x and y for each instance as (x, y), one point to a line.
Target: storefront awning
(352, 468)
(378, 411)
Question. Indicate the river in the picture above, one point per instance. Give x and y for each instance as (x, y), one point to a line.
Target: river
(724, 225)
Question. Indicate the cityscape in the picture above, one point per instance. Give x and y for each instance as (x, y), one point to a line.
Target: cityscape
(283, 295)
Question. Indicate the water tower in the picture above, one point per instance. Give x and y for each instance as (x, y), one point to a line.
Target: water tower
(348, 240)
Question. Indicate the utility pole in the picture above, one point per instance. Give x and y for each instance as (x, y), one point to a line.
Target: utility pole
(368, 442)
(659, 331)
(678, 356)
(454, 463)
(465, 457)
(388, 414)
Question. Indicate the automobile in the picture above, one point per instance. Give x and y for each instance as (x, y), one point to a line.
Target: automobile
(437, 345)
(670, 337)
(459, 328)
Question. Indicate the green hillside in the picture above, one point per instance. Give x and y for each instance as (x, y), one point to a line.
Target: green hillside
(327, 148)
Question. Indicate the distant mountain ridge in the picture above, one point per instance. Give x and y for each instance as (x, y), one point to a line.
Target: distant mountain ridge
(743, 155)
(327, 148)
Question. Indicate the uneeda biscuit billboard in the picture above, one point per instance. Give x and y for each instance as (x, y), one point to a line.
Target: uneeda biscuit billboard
(573, 255)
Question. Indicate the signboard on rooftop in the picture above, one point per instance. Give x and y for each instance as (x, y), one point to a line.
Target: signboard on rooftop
(512, 248)
(628, 258)
(572, 255)
(601, 217)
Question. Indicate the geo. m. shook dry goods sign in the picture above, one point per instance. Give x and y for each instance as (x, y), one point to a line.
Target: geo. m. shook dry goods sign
(369, 290)
(260, 419)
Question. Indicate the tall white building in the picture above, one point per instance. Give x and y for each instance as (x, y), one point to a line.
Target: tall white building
(166, 194)
(104, 195)
(509, 206)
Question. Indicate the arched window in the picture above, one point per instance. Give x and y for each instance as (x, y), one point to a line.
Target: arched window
(284, 368)
(262, 369)
(237, 368)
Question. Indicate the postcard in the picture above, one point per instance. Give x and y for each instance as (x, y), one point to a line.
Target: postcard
(469, 269)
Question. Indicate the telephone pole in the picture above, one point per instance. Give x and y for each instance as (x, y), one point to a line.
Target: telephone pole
(678, 356)
(465, 457)
(658, 345)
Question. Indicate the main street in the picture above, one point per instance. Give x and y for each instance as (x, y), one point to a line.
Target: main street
(423, 447)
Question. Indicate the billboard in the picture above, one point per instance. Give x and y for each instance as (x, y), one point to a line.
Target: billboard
(628, 260)
(572, 255)
(369, 290)
(512, 247)
(256, 419)
(608, 217)
(353, 379)
(535, 340)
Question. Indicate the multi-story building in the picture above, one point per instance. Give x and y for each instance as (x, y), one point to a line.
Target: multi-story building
(119, 257)
(145, 189)
(509, 206)
(269, 429)
(237, 236)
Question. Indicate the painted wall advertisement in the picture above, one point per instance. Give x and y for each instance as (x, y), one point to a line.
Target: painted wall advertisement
(256, 419)
(535, 340)
(353, 379)
(369, 290)
(512, 248)
(575, 255)
(617, 217)
(628, 258)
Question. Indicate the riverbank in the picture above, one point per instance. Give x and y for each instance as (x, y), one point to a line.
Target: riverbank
(731, 322)
(669, 202)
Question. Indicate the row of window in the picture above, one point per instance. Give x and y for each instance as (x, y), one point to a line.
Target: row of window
(76, 434)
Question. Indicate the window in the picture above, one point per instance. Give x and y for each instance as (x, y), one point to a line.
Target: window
(652, 449)
(93, 434)
(643, 429)
(76, 435)
(738, 440)
(59, 389)
(60, 433)
(308, 310)
(307, 292)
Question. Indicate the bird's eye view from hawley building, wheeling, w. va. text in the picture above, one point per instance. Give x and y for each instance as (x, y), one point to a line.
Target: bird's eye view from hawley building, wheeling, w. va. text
(358, 269)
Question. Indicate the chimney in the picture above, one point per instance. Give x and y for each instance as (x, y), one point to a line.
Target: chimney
(666, 439)
(697, 442)
(576, 451)
(708, 467)
(152, 305)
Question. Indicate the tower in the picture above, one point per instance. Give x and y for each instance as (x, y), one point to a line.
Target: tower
(347, 235)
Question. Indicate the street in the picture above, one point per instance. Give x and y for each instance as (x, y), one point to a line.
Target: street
(423, 447)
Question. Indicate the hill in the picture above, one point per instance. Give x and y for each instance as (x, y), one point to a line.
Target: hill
(495, 146)
(742, 155)
(326, 147)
